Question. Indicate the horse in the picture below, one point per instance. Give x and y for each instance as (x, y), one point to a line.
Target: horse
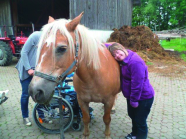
(66, 46)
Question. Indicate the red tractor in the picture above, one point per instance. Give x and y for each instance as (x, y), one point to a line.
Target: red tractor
(10, 46)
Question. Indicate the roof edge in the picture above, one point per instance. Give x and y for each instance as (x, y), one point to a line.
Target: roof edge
(136, 2)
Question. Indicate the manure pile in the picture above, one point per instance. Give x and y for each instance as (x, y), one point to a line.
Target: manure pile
(141, 40)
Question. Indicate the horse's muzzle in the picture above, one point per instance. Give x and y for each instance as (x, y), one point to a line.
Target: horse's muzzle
(41, 93)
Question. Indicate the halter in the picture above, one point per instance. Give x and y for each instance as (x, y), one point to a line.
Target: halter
(60, 78)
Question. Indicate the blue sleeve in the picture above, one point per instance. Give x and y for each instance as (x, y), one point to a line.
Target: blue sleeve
(137, 80)
(31, 42)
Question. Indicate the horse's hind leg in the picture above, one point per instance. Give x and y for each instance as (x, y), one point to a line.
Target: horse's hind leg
(107, 118)
(86, 118)
(114, 105)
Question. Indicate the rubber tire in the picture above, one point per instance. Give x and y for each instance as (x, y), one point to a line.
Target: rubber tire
(49, 131)
(7, 52)
(76, 126)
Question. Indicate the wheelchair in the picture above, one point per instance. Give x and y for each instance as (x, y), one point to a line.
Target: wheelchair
(72, 114)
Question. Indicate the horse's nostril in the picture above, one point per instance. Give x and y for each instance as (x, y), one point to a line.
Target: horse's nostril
(40, 95)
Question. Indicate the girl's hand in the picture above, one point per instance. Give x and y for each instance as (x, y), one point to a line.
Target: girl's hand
(134, 104)
(31, 72)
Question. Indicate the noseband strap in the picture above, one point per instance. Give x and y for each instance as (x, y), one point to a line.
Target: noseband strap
(60, 78)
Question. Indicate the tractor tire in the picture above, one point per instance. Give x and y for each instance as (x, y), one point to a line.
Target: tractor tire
(5, 54)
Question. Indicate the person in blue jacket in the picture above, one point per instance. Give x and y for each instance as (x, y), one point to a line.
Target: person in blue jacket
(136, 88)
(25, 67)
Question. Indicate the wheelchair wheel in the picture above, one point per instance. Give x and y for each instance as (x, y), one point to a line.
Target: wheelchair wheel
(76, 126)
(50, 112)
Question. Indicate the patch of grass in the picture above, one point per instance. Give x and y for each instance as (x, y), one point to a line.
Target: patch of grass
(183, 56)
(149, 63)
(176, 44)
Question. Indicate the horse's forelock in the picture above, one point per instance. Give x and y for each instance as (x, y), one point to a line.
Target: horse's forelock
(90, 46)
(49, 32)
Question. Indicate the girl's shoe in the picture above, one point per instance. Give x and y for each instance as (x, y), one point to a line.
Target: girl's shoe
(27, 122)
(129, 136)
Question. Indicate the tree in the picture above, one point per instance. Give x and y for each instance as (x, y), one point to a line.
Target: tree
(160, 14)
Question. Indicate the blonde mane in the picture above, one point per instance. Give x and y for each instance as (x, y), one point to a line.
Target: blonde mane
(89, 51)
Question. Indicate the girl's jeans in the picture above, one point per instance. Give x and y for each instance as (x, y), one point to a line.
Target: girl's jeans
(139, 116)
(25, 99)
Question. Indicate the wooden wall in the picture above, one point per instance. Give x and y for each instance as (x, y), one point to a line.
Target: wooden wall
(99, 14)
(103, 14)
(5, 17)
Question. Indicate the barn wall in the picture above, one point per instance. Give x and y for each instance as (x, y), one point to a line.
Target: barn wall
(103, 14)
(5, 17)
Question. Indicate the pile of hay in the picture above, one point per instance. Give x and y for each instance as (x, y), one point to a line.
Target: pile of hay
(141, 40)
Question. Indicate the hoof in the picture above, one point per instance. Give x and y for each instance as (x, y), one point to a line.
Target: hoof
(108, 137)
(85, 137)
(113, 111)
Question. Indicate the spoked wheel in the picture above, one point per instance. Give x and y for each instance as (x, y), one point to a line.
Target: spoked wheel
(47, 117)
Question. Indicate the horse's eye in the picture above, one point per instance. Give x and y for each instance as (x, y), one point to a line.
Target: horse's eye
(61, 49)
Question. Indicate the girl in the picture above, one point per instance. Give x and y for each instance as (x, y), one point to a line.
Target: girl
(135, 87)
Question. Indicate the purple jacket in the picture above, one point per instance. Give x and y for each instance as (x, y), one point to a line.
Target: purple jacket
(135, 83)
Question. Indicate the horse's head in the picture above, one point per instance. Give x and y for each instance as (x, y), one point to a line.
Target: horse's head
(56, 53)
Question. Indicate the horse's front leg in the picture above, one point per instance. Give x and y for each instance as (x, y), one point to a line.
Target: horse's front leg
(107, 118)
(86, 117)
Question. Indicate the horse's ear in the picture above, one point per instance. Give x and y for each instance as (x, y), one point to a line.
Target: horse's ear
(50, 19)
(73, 24)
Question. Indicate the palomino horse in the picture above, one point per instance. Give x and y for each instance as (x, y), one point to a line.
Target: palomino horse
(97, 74)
